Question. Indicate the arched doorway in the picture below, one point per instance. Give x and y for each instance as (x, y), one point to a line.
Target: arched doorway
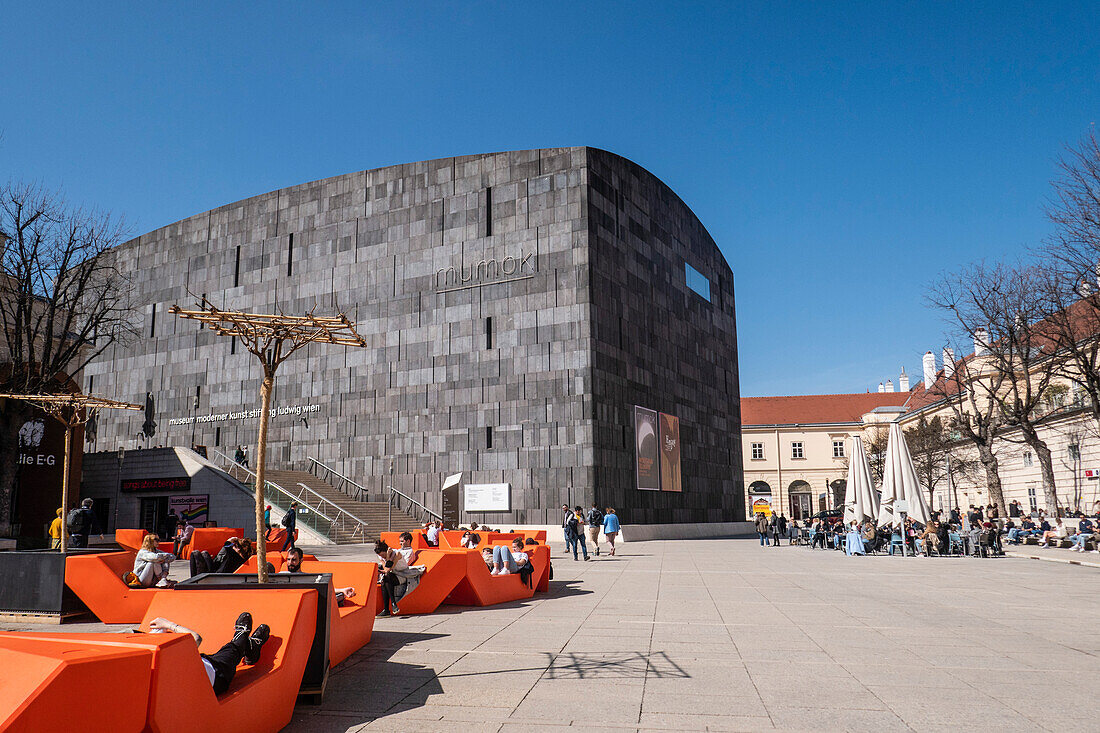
(837, 489)
(800, 499)
(760, 487)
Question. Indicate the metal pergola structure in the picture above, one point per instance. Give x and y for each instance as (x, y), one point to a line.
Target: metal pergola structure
(70, 410)
(271, 338)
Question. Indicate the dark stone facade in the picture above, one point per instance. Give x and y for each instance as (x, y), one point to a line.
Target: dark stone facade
(515, 305)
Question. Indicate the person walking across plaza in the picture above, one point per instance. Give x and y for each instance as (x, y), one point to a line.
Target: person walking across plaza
(579, 512)
(779, 529)
(80, 523)
(290, 521)
(566, 516)
(762, 528)
(595, 521)
(574, 534)
(611, 528)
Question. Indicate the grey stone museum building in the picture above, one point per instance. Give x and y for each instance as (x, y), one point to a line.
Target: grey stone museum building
(516, 306)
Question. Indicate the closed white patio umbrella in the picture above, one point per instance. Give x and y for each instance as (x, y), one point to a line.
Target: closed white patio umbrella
(860, 500)
(899, 481)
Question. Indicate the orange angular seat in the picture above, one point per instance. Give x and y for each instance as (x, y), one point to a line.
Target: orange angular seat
(97, 581)
(130, 539)
(65, 684)
(445, 570)
(351, 625)
(481, 588)
(277, 560)
(420, 540)
(262, 696)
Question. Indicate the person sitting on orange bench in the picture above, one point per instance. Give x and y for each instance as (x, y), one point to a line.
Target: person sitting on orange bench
(183, 536)
(221, 666)
(294, 567)
(150, 564)
(504, 561)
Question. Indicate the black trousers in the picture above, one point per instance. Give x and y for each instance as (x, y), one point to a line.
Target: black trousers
(819, 539)
(78, 540)
(225, 661)
(389, 585)
(289, 539)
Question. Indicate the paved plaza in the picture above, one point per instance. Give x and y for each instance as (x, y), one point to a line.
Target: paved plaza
(725, 635)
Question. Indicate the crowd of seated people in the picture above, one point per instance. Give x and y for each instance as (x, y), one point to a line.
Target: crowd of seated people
(977, 531)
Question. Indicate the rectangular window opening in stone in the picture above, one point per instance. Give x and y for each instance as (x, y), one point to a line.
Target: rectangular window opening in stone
(489, 332)
(217, 437)
(488, 437)
(697, 281)
(796, 450)
(489, 211)
(757, 451)
(233, 345)
(290, 256)
(237, 268)
(153, 323)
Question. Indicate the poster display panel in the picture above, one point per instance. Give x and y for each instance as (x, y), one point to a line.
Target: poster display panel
(646, 452)
(670, 453)
(195, 508)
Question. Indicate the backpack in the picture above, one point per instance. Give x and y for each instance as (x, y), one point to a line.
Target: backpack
(595, 518)
(525, 573)
(78, 522)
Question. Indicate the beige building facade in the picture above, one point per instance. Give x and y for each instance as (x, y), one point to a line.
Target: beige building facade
(796, 448)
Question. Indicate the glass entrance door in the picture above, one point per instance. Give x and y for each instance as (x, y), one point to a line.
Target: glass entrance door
(153, 511)
(801, 506)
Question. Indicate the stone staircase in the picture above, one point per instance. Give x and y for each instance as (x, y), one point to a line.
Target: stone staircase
(376, 514)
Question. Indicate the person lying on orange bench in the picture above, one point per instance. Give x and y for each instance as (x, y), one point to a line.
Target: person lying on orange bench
(221, 666)
(234, 553)
(294, 567)
(150, 564)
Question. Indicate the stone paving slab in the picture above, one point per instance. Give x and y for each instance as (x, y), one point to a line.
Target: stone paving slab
(725, 635)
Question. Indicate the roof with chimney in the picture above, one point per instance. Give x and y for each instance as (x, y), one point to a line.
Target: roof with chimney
(818, 409)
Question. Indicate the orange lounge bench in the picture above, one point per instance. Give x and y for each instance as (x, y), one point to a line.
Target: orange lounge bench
(262, 697)
(131, 539)
(351, 625)
(97, 581)
(63, 684)
(481, 588)
(420, 540)
(445, 570)
(277, 560)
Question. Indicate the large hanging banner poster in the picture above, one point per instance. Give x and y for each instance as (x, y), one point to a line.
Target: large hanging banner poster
(645, 448)
(670, 453)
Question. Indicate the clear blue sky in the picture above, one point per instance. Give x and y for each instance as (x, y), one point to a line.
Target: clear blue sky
(841, 154)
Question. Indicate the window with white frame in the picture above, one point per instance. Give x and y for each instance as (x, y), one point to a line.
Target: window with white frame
(838, 449)
(796, 450)
(757, 451)
(1027, 458)
(1032, 499)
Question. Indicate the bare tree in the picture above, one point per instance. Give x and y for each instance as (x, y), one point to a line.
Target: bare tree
(876, 438)
(1072, 265)
(977, 421)
(62, 303)
(1015, 364)
(929, 445)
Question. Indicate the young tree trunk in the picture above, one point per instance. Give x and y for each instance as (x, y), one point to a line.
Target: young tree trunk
(1046, 466)
(65, 488)
(992, 477)
(261, 460)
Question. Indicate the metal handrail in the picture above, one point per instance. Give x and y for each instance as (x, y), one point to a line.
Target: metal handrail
(359, 490)
(358, 526)
(415, 509)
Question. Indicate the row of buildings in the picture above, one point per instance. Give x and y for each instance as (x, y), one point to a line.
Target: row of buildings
(796, 448)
